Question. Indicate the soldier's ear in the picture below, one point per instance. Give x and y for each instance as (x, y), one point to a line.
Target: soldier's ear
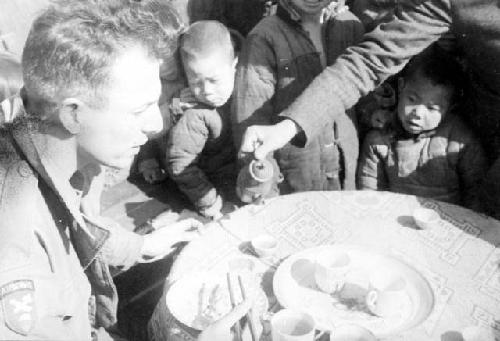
(69, 114)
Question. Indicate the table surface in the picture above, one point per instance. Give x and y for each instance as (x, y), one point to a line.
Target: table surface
(458, 258)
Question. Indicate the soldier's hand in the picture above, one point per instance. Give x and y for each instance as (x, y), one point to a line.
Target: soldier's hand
(163, 241)
(262, 140)
(221, 329)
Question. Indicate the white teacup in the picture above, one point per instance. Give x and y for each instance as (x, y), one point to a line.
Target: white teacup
(265, 245)
(330, 272)
(292, 325)
(426, 218)
(387, 297)
(351, 332)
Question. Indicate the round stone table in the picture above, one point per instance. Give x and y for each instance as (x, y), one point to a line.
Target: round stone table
(459, 257)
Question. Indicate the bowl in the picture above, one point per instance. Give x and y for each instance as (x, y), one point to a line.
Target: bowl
(199, 299)
(295, 287)
(264, 245)
(426, 218)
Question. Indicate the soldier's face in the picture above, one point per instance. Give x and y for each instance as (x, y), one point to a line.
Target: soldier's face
(112, 135)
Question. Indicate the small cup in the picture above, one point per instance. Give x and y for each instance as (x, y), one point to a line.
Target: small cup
(264, 245)
(425, 218)
(292, 325)
(387, 297)
(330, 272)
(351, 332)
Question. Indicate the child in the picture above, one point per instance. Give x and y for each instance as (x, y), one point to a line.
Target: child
(426, 150)
(199, 148)
(11, 81)
(283, 54)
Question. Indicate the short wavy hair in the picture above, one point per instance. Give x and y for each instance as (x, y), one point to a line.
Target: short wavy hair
(72, 45)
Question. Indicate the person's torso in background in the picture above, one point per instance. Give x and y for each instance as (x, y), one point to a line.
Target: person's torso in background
(298, 63)
(476, 27)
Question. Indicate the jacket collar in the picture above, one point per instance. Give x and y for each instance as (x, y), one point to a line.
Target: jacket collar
(87, 238)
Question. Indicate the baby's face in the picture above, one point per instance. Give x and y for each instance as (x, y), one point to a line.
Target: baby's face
(310, 7)
(211, 77)
(422, 104)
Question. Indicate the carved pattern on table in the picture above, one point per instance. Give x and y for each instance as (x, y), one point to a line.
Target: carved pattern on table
(485, 318)
(451, 237)
(306, 228)
(489, 276)
(364, 204)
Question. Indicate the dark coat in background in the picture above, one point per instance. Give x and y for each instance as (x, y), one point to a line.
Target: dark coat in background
(277, 63)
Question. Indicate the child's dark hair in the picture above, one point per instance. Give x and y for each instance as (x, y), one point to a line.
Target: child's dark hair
(11, 78)
(440, 68)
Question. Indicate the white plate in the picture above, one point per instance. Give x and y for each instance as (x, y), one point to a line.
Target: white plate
(199, 299)
(295, 287)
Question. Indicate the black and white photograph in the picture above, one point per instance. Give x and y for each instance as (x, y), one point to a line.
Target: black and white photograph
(250, 170)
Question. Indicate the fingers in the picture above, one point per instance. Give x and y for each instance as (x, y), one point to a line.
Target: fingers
(186, 92)
(227, 321)
(186, 105)
(189, 236)
(149, 175)
(254, 142)
(263, 150)
(187, 99)
(262, 140)
(250, 140)
(164, 219)
(190, 224)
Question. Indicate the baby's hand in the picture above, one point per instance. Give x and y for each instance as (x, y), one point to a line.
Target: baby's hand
(214, 211)
(154, 175)
(151, 171)
(187, 99)
(184, 101)
(380, 118)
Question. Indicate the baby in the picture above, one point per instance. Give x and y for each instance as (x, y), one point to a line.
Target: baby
(426, 150)
(200, 153)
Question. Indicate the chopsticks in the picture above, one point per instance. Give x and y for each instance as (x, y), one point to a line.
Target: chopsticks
(237, 326)
(253, 331)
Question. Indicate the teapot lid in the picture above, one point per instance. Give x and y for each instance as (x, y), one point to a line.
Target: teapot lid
(261, 170)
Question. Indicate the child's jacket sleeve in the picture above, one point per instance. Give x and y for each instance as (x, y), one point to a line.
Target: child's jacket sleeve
(371, 173)
(185, 144)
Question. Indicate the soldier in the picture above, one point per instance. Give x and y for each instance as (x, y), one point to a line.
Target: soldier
(91, 86)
